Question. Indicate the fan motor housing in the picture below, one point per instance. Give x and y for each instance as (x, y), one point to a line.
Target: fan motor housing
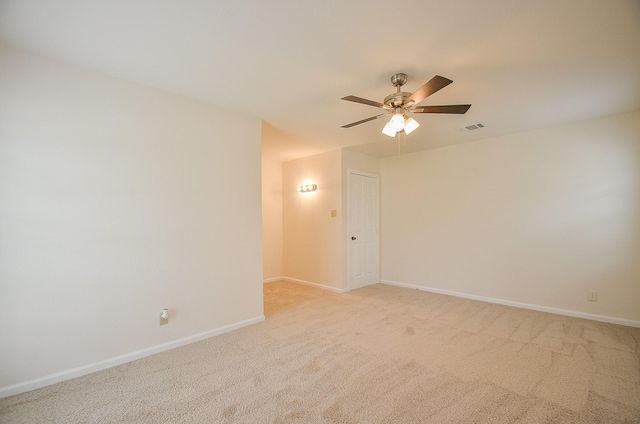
(396, 99)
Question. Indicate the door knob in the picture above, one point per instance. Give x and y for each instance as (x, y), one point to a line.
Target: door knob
(353, 238)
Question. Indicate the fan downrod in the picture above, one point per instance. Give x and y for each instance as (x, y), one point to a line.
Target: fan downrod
(397, 99)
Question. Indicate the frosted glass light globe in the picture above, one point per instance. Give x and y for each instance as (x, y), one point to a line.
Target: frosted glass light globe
(410, 125)
(397, 122)
(387, 130)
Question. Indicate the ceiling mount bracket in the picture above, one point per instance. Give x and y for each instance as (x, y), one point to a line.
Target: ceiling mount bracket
(398, 80)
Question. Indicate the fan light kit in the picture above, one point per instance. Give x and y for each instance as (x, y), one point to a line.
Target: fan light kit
(399, 123)
(400, 103)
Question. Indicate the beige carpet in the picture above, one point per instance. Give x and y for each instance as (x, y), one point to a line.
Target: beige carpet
(380, 354)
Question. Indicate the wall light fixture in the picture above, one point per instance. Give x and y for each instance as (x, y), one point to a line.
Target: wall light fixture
(307, 188)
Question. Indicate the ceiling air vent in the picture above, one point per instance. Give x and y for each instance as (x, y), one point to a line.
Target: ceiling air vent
(472, 127)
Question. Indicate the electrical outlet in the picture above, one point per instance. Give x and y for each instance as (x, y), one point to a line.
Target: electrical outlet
(164, 317)
(592, 296)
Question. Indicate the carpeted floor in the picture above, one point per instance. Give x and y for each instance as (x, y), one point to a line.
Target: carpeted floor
(380, 354)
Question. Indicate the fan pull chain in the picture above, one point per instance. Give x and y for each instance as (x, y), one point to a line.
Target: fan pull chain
(401, 136)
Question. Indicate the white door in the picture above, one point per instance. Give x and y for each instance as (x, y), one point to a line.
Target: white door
(362, 227)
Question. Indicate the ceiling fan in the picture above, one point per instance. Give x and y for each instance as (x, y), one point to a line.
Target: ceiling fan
(399, 103)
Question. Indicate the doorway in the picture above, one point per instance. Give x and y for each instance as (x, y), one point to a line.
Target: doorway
(363, 229)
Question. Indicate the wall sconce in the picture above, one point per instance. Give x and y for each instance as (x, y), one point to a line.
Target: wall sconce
(305, 188)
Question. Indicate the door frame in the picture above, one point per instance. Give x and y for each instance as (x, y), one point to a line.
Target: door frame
(351, 172)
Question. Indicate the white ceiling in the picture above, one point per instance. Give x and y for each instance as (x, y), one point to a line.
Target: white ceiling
(522, 64)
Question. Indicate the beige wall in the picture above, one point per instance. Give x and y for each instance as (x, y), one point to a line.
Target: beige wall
(312, 247)
(118, 200)
(358, 162)
(538, 218)
(271, 219)
(314, 243)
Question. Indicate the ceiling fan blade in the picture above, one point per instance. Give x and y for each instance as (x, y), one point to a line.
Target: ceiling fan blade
(436, 83)
(363, 101)
(364, 120)
(457, 109)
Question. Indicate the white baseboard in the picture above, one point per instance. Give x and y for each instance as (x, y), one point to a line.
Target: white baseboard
(119, 360)
(272, 280)
(559, 311)
(316, 285)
